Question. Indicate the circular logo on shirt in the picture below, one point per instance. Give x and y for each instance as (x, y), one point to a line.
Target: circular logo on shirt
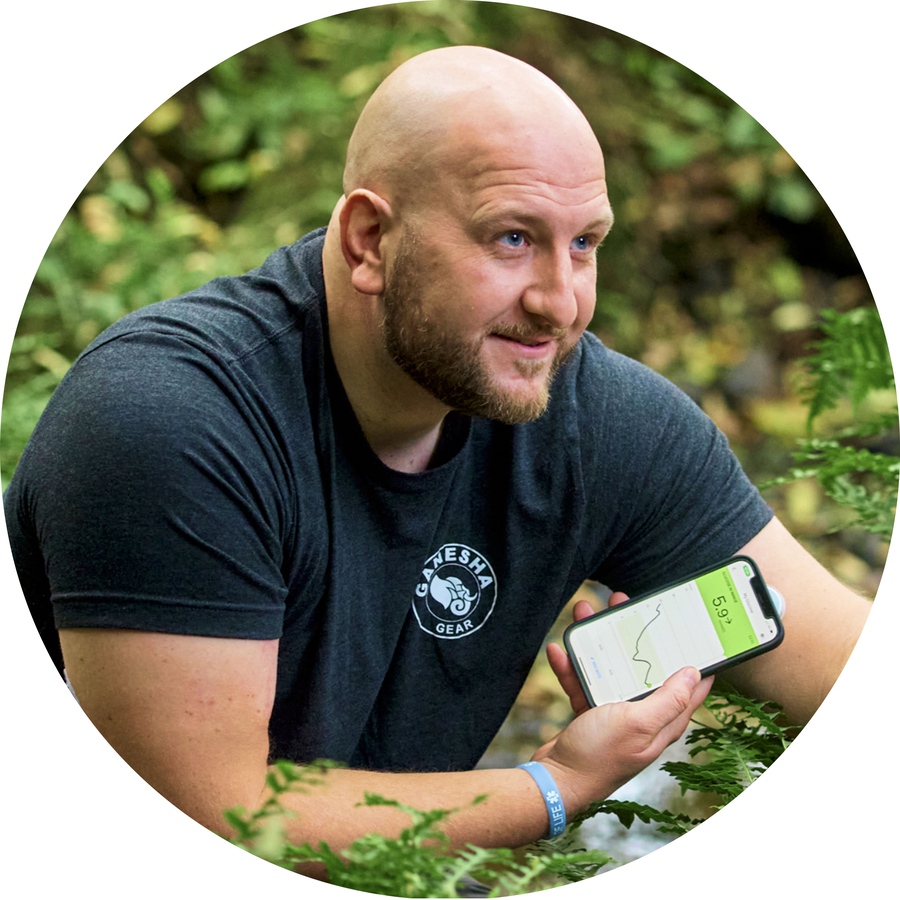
(456, 592)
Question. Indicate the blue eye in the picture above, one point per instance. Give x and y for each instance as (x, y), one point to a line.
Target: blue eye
(582, 243)
(513, 239)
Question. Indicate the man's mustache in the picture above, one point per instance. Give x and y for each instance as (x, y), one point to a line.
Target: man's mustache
(528, 333)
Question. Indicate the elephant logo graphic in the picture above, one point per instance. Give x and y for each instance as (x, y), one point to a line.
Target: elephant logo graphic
(451, 593)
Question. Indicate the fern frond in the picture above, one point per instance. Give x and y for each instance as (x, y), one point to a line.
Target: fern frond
(626, 811)
(851, 360)
(865, 482)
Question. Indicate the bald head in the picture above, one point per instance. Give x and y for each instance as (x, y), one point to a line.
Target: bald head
(441, 107)
(460, 264)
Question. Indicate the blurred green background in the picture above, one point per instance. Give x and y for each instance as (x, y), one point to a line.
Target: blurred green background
(721, 261)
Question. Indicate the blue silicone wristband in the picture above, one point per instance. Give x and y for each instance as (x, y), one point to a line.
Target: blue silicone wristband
(550, 792)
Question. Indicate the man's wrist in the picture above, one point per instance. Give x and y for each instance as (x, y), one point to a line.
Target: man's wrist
(577, 790)
(556, 809)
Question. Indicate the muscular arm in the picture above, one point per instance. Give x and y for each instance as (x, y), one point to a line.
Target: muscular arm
(822, 622)
(190, 715)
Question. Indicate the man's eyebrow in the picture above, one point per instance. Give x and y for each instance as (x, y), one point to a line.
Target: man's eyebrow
(501, 218)
(603, 223)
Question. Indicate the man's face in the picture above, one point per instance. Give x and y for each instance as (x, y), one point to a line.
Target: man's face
(450, 362)
(494, 280)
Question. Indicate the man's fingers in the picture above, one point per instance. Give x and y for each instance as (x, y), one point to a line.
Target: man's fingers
(682, 693)
(676, 728)
(605, 747)
(562, 666)
(559, 662)
(568, 679)
(669, 709)
(582, 610)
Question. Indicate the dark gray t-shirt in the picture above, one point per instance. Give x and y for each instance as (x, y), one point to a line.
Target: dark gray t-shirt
(200, 471)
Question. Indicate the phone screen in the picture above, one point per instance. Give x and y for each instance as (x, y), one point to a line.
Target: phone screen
(630, 650)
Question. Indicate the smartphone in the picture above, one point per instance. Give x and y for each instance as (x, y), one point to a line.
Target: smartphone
(712, 619)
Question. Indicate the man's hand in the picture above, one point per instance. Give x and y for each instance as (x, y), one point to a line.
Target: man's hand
(603, 748)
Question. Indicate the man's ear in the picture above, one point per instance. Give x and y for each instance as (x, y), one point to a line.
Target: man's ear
(364, 219)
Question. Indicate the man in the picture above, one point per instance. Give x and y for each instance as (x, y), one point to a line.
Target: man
(331, 508)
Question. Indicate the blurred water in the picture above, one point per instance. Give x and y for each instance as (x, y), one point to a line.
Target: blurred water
(652, 787)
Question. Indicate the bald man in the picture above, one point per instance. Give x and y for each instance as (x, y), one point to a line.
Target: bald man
(331, 508)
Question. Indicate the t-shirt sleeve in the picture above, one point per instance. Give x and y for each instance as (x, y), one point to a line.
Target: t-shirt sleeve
(674, 496)
(153, 489)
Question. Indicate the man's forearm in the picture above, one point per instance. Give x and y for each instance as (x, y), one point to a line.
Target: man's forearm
(592, 757)
(190, 715)
(333, 810)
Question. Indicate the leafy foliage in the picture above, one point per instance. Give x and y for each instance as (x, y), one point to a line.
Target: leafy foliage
(626, 811)
(261, 831)
(850, 364)
(851, 360)
(723, 260)
(417, 863)
(747, 737)
(743, 739)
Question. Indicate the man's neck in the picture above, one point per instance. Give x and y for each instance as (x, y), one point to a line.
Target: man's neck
(410, 457)
(401, 421)
(402, 432)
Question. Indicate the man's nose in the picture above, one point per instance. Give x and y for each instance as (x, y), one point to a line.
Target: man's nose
(551, 295)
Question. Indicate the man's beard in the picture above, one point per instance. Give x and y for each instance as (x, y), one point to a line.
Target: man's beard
(450, 367)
